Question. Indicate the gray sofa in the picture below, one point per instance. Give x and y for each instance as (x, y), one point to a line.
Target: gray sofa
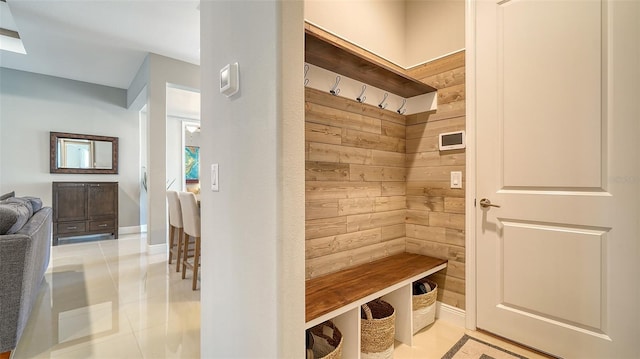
(24, 257)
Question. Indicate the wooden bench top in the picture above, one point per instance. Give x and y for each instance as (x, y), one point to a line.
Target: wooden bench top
(333, 291)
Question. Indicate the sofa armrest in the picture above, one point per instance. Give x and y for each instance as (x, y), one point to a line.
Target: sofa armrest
(24, 257)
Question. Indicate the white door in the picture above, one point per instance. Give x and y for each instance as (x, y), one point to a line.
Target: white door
(558, 127)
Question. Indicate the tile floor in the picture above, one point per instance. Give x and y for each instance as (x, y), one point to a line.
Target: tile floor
(110, 299)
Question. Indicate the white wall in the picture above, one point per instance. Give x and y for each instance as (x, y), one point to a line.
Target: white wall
(143, 166)
(253, 228)
(32, 105)
(151, 80)
(375, 25)
(175, 152)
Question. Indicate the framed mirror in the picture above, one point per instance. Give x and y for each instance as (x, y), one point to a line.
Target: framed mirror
(77, 153)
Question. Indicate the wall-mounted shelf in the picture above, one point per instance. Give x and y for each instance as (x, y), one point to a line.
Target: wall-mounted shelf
(334, 54)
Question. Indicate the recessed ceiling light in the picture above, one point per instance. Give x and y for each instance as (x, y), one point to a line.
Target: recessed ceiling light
(9, 37)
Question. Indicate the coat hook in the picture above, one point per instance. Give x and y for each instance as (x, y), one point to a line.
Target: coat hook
(383, 104)
(402, 110)
(361, 98)
(335, 90)
(306, 69)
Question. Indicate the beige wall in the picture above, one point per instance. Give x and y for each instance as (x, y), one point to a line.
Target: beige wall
(433, 29)
(375, 25)
(402, 31)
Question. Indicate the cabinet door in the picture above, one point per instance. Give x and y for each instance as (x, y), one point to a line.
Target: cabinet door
(103, 200)
(69, 202)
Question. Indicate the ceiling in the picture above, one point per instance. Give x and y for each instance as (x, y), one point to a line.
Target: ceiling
(101, 41)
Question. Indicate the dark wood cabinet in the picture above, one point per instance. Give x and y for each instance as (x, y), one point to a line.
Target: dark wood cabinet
(82, 208)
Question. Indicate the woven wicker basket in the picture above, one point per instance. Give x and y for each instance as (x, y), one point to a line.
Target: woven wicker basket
(378, 328)
(424, 307)
(327, 341)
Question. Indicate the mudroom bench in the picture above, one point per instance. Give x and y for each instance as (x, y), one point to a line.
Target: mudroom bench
(338, 296)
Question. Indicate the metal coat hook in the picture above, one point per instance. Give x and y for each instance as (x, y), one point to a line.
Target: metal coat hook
(306, 69)
(402, 109)
(361, 98)
(335, 90)
(382, 103)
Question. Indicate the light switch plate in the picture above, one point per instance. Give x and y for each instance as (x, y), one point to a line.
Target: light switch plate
(229, 80)
(456, 179)
(214, 178)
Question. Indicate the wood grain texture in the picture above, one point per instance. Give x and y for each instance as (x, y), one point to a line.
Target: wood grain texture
(377, 184)
(322, 133)
(359, 222)
(435, 216)
(446, 79)
(325, 115)
(393, 129)
(347, 105)
(439, 66)
(363, 254)
(394, 188)
(434, 128)
(323, 152)
(435, 174)
(451, 94)
(414, 216)
(440, 250)
(348, 61)
(310, 28)
(327, 293)
(372, 140)
(323, 190)
(433, 188)
(323, 227)
(377, 173)
(436, 159)
(323, 208)
(318, 247)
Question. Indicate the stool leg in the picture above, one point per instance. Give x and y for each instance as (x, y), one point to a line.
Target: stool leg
(185, 256)
(196, 264)
(179, 249)
(172, 232)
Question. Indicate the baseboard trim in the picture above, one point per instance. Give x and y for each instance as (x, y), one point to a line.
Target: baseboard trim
(156, 248)
(132, 229)
(450, 314)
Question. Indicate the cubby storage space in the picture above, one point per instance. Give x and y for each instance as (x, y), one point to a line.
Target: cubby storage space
(338, 296)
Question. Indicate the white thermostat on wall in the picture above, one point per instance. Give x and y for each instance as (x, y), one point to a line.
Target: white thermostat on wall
(229, 81)
(451, 140)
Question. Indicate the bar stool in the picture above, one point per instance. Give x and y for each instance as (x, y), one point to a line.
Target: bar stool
(191, 221)
(175, 223)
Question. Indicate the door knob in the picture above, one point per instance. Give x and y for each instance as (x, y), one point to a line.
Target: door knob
(486, 203)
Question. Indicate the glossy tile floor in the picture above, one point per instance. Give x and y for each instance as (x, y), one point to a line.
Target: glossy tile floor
(110, 299)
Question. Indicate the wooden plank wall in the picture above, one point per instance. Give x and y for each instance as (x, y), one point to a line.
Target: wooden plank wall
(377, 185)
(355, 183)
(435, 212)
